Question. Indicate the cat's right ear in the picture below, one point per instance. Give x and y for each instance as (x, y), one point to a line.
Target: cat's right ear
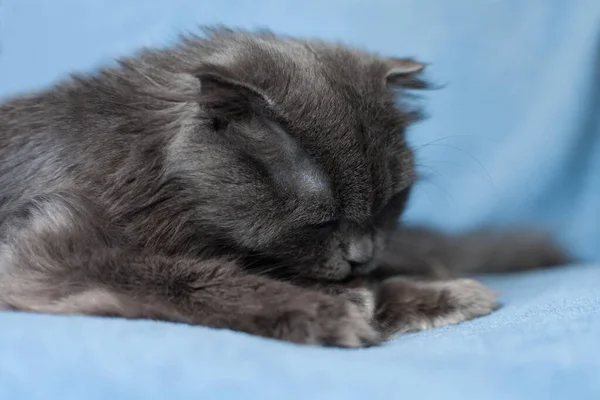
(225, 97)
(405, 73)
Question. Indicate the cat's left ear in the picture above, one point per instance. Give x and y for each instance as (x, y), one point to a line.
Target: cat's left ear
(228, 97)
(404, 73)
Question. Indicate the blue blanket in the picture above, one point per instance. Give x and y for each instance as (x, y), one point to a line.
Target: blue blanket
(514, 138)
(543, 344)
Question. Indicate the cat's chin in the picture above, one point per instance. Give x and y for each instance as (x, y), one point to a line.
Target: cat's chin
(344, 274)
(333, 276)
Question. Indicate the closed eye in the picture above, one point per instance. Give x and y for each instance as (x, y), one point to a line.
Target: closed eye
(327, 227)
(219, 124)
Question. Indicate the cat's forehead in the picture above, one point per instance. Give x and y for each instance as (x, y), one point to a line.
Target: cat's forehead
(285, 68)
(334, 102)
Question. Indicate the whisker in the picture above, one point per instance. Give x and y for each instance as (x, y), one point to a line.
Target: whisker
(438, 187)
(416, 147)
(458, 149)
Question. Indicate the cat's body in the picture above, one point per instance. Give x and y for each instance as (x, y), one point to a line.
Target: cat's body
(241, 181)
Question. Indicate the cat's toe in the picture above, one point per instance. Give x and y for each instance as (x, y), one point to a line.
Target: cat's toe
(467, 299)
(351, 331)
(328, 321)
(364, 299)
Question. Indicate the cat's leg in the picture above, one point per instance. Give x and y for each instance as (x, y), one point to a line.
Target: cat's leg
(405, 305)
(425, 252)
(401, 305)
(55, 257)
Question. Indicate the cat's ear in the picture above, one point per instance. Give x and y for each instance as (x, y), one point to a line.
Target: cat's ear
(224, 96)
(404, 73)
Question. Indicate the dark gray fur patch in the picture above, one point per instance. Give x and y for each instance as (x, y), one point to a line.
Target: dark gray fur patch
(228, 181)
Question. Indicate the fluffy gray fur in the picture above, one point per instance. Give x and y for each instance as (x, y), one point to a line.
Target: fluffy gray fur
(237, 180)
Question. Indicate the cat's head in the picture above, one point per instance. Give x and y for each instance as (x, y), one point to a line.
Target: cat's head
(299, 159)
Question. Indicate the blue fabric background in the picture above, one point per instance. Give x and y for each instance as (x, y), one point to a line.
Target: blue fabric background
(514, 138)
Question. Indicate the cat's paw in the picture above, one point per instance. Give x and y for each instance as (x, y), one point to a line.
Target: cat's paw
(319, 319)
(466, 299)
(408, 306)
(364, 298)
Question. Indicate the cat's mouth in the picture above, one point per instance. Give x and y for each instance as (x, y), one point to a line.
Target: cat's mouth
(287, 270)
(361, 269)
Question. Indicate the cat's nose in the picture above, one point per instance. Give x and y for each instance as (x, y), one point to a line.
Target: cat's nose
(359, 251)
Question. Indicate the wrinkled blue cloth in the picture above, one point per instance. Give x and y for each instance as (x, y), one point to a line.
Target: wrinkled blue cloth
(514, 139)
(543, 344)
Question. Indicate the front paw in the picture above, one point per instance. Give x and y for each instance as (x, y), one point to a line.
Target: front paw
(408, 306)
(467, 299)
(319, 319)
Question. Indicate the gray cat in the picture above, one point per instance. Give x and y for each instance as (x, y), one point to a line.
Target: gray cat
(238, 180)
